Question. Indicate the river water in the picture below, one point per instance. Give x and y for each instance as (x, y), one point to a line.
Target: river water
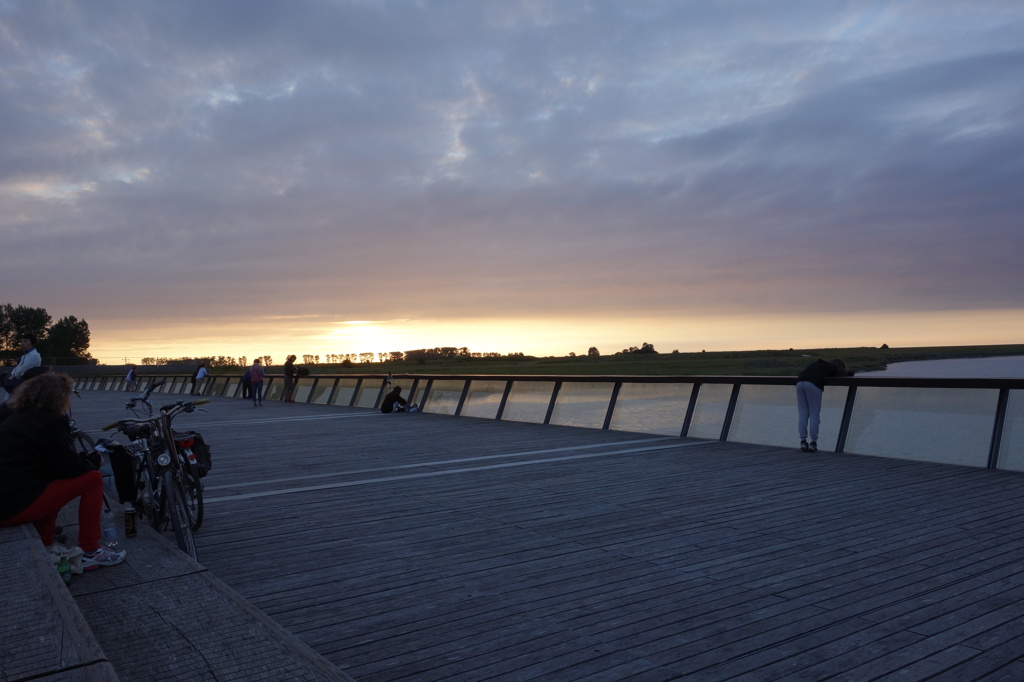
(964, 368)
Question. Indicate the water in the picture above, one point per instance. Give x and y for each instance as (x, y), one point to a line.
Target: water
(963, 368)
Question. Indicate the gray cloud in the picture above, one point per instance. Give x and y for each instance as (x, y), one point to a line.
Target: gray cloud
(521, 157)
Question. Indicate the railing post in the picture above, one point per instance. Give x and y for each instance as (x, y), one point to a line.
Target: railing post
(997, 428)
(504, 400)
(730, 411)
(551, 405)
(611, 405)
(355, 392)
(690, 408)
(844, 423)
(462, 398)
(426, 393)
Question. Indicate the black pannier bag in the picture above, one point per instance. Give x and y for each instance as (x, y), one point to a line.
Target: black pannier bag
(124, 472)
(200, 450)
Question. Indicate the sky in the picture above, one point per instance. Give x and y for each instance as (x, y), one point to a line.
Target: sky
(248, 178)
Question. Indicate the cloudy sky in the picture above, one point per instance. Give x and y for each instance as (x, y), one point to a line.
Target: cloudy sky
(254, 177)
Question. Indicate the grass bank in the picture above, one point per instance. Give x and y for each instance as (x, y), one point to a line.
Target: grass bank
(743, 363)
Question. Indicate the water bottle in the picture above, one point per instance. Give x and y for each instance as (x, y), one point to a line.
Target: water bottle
(109, 531)
(64, 569)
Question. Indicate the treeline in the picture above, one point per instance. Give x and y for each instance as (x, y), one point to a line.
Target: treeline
(65, 341)
(422, 355)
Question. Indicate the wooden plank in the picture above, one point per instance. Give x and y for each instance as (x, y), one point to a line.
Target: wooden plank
(409, 548)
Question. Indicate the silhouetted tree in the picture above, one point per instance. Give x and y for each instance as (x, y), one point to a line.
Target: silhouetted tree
(17, 321)
(68, 338)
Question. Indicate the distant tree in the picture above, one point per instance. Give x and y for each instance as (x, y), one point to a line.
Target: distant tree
(644, 348)
(593, 352)
(572, 354)
(885, 346)
(346, 363)
(17, 321)
(316, 359)
(307, 359)
(68, 338)
(366, 357)
(267, 361)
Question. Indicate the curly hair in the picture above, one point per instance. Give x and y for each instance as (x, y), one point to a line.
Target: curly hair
(49, 392)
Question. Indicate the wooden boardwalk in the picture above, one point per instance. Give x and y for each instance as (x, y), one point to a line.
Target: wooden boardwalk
(428, 548)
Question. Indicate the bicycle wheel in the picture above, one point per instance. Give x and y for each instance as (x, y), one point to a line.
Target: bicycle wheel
(83, 441)
(193, 496)
(177, 510)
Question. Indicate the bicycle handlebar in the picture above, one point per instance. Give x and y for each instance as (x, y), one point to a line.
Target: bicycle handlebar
(185, 406)
(169, 411)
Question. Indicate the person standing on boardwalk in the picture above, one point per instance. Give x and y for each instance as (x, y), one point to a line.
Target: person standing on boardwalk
(256, 377)
(289, 378)
(810, 385)
(247, 383)
(197, 377)
(131, 381)
(41, 471)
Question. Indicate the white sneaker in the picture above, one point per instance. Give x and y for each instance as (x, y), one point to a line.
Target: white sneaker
(102, 557)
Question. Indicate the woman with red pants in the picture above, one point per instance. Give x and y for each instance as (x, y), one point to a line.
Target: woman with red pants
(40, 471)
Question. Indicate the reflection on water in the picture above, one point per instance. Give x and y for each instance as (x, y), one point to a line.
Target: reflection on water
(1010, 367)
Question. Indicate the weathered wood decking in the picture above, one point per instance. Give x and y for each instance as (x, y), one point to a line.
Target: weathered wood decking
(420, 547)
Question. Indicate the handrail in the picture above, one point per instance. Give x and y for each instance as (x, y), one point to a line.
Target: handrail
(976, 422)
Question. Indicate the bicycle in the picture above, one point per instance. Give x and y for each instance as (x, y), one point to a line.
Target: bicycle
(139, 404)
(167, 474)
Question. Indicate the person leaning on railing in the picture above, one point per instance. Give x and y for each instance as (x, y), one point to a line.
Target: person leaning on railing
(40, 470)
(810, 385)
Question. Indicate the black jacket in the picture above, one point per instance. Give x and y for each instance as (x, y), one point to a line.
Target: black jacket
(818, 372)
(388, 404)
(35, 449)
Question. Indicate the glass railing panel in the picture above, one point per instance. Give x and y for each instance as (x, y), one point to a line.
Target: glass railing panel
(1011, 447)
(709, 413)
(172, 385)
(582, 403)
(321, 391)
(947, 426)
(215, 385)
(767, 415)
(483, 399)
(368, 393)
(528, 401)
(231, 386)
(444, 396)
(273, 389)
(303, 388)
(343, 394)
(416, 396)
(651, 408)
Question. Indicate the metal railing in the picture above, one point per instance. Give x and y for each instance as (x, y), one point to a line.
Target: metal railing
(972, 422)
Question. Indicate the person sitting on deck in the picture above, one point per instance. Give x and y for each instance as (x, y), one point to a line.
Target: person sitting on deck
(40, 470)
(394, 402)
